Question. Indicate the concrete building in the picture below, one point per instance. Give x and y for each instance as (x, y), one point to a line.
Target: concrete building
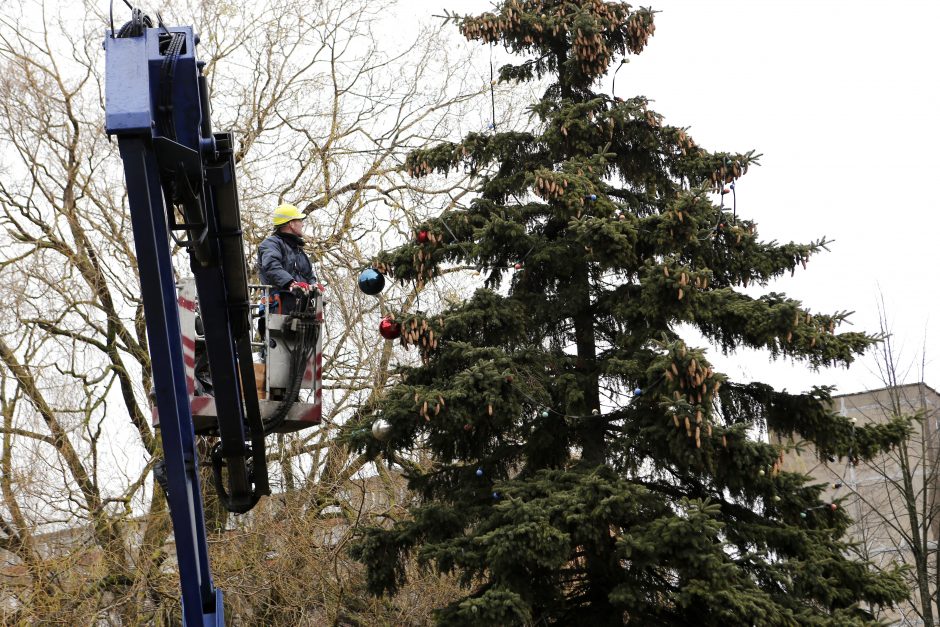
(892, 499)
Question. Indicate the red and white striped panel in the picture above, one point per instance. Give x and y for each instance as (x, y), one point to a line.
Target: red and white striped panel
(186, 300)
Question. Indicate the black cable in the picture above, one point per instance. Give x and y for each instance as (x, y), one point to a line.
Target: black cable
(305, 345)
(167, 72)
(492, 91)
(111, 14)
(613, 83)
(734, 202)
(137, 24)
(161, 24)
(218, 463)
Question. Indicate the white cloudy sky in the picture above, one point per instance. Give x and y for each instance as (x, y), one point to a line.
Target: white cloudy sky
(842, 100)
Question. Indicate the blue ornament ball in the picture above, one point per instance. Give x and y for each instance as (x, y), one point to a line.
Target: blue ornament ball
(637, 392)
(495, 496)
(479, 472)
(371, 281)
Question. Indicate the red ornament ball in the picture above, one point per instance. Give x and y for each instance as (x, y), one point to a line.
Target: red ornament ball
(389, 329)
(518, 266)
(833, 506)
(422, 237)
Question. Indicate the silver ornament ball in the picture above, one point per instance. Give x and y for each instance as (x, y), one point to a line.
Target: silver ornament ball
(381, 429)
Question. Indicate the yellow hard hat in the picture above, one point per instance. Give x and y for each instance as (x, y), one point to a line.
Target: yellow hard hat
(285, 213)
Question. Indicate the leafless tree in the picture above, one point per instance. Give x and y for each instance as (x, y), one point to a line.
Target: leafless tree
(324, 109)
(893, 498)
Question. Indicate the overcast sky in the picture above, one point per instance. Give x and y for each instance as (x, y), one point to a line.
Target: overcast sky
(842, 100)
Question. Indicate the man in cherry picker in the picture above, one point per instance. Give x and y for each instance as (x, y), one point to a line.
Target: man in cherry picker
(282, 262)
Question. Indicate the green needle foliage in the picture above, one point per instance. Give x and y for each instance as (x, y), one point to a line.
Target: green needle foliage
(559, 494)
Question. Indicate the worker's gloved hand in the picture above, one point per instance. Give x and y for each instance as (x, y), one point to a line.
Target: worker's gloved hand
(299, 288)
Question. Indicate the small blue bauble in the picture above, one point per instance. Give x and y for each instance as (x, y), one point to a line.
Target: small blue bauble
(479, 472)
(591, 197)
(495, 496)
(371, 281)
(637, 392)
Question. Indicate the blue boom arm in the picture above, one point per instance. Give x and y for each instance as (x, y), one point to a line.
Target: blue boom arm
(181, 187)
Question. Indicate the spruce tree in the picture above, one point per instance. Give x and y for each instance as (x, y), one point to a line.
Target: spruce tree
(590, 466)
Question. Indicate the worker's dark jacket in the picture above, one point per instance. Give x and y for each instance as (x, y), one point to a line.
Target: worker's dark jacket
(282, 260)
